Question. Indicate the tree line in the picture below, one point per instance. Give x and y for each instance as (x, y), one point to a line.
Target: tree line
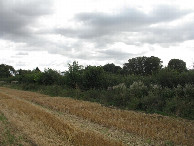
(96, 76)
(150, 87)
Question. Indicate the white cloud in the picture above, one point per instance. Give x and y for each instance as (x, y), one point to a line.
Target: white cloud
(53, 33)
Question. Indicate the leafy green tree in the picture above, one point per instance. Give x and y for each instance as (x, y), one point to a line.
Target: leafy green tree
(135, 65)
(177, 64)
(152, 65)
(23, 72)
(37, 70)
(74, 75)
(48, 77)
(94, 77)
(6, 71)
(112, 68)
(168, 78)
(143, 65)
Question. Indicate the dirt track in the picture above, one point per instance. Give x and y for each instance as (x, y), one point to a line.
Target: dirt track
(44, 120)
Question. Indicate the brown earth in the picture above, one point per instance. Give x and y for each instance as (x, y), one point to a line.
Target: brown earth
(45, 120)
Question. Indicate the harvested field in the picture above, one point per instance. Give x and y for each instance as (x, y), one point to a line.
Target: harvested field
(48, 120)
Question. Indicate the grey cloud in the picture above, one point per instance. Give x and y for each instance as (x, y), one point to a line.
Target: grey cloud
(116, 54)
(165, 13)
(169, 35)
(130, 26)
(130, 19)
(103, 29)
(17, 18)
(22, 53)
(102, 55)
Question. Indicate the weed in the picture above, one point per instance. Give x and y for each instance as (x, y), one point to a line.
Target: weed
(3, 118)
(169, 143)
(8, 137)
(149, 141)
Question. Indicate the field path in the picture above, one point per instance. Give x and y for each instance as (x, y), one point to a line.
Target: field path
(45, 120)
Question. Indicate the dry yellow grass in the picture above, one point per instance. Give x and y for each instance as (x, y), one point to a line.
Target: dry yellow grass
(10, 135)
(151, 126)
(68, 132)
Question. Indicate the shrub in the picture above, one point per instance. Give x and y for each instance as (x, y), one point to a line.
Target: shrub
(138, 89)
(134, 104)
(168, 78)
(94, 78)
(189, 91)
(152, 103)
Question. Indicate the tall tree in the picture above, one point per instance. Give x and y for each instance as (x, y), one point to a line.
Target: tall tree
(94, 77)
(48, 77)
(152, 65)
(74, 74)
(143, 65)
(6, 71)
(177, 64)
(112, 68)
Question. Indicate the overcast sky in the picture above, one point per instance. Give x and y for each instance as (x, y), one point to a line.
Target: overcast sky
(53, 33)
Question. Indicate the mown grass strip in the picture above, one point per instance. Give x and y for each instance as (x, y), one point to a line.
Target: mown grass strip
(6, 136)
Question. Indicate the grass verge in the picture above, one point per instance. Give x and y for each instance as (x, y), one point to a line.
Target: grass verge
(6, 135)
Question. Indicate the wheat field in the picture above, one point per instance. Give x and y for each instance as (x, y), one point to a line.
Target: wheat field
(48, 120)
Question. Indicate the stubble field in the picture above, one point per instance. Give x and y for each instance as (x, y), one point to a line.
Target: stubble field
(28, 118)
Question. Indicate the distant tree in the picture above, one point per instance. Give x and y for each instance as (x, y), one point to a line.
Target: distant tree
(112, 68)
(143, 65)
(177, 64)
(152, 65)
(48, 77)
(23, 72)
(6, 71)
(74, 74)
(94, 77)
(37, 69)
(168, 78)
(136, 65)
(193, 65)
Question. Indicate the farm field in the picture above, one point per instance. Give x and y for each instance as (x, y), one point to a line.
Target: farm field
(29, 118)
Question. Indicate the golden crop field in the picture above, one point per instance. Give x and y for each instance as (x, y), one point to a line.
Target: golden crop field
(44, 120)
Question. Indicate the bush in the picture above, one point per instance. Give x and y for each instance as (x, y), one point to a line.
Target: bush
(168, 78)
(138, 89)
(153, 103)
(134, 104)
(189, 91)
(94, 78)
(113, 79)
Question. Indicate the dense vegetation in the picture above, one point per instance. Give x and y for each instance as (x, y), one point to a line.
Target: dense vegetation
(147, 85)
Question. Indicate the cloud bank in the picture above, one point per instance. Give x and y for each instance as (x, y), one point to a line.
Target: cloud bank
(112, 36)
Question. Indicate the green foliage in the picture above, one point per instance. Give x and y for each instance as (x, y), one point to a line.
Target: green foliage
(149, 88)
(168, 78)
(113, 79)
(138, 89)
(178, 65)
(74, 75)
(48, 77)
(94, 78)
(152, 65)
(6, 71)
(112, 68)
(134, 104)
(143, 65)
(136, 65)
